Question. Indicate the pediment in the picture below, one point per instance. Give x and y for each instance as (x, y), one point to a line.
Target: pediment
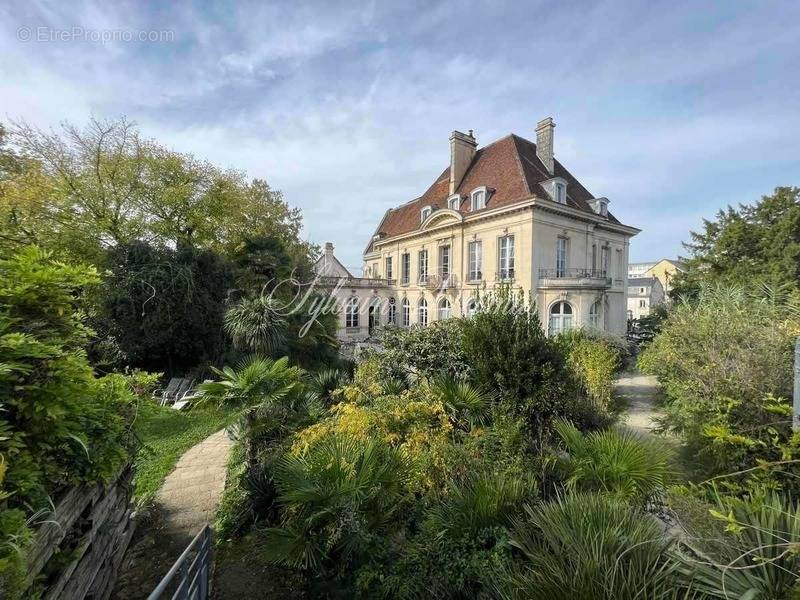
(442, 216)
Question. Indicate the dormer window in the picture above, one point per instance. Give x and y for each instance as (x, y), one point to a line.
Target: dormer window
(478, 198)
(561, 192)
(425, 213)
(454, 202)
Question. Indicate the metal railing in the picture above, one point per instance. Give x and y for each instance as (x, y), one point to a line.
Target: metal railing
(189, 576)
(441, 281)
(572, 273)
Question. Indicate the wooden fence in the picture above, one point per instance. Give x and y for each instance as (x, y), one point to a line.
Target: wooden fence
(78, 549)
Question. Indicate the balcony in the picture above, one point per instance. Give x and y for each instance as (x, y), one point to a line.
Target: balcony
(504, 275)
(353, 282)
(588, 279)
(441, 282)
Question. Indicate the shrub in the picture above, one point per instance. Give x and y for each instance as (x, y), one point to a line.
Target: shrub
(589, 547)
(618, 462)
(725, 361)
(594, 361)
(429, 351)
(756, 558)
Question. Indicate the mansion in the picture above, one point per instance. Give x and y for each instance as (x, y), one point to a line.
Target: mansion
(508, 213)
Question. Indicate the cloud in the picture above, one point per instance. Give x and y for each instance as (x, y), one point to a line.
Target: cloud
(669, 110)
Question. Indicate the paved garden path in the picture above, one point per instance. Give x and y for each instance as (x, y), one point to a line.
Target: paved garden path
(186, 501)
(640, 392)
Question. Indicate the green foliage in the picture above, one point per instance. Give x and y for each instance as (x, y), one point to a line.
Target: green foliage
(15, 538)
(725, 361)
(589, 547)
(339, 499)
(425, 351)
(751, 244)
(255, 325)
(758, 556)
(164, 308)
(618, 462)
(594, 361)
(467, 405)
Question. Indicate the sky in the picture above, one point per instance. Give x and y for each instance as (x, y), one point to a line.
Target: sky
(672, 110)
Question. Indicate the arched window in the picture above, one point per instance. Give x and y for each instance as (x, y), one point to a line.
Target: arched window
(560, 317)
(405, 312)
(595, 314)
(444, 309)
(425, 213)
(422, 317)
(392, 312)
(472, 308)
(351, 313)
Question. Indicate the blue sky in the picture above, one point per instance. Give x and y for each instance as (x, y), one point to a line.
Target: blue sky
(670, 109)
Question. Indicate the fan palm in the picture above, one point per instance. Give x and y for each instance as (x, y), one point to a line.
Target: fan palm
(255, 325)
(262, 389)
(619, 462)
(467, 405)
(324, 382)
(338, 498)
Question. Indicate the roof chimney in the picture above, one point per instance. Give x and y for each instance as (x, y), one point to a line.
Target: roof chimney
(544, 143)
(462, 151)
(328, 248)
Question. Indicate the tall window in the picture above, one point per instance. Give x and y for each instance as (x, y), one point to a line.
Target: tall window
(444, 261)
(604, 260)
(475, 259)
(422, 316)
(389, 271)
(422, 258)
(560, 317)
(595, 312)
(478, 199)
(405, 313)
(472, 308)
(594, 257)
(405, 268)
(561, 257)
(444, 309)
(642, 303)
(392, 312)
(351, 313)
(561, 193)
(507, 257)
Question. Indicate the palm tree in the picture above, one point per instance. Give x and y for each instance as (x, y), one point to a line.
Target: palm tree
(466, 405)
(260, 389)
(619, 462)
(255, 325)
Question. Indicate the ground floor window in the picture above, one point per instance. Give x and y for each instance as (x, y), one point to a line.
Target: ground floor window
(351, 313)
(595, 314)
(422, 318)
(560, 317)
(406, 313)
(444, 309)
(472, 308)
(392, 309)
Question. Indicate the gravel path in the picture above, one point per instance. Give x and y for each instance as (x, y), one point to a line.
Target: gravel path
(640, 392)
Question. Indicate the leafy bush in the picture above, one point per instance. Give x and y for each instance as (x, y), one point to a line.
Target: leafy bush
(725, 361)
(757, 557)
(618, 462)
(429, 351)
(589, 547)
(594, 361)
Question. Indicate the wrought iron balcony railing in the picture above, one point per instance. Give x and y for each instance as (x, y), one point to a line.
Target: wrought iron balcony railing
(504, 275)
(572, 274)
(574, 278)
(441, 281)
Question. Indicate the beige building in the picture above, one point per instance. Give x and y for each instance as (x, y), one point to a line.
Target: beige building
(507, 213)
(644, 294)
(664, 270)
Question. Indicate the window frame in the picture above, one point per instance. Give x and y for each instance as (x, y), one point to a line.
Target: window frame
(405, 313)
(425, 212)
(562, 256)
(405, 268)
(351, 317)
(391, 318)
(422, 312)
(481, 192)
(475, 260)
(444, 312)
(454, 199)
(505, 257)
(561, 321)
(445, 260)
(560, 192)
(422, 266)
(388, 266)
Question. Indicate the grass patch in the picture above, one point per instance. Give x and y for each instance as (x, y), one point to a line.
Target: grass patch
(166, 434)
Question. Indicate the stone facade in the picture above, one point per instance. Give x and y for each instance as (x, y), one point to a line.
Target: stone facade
(644, 294)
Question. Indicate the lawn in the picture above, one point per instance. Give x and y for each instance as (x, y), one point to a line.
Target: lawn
(166, 434)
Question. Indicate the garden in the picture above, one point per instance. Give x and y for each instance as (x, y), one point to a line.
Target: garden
(474, 458)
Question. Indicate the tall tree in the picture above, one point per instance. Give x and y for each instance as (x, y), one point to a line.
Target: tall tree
(758, 243)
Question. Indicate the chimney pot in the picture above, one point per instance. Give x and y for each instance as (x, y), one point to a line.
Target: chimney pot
(544, 143)
(328, 247)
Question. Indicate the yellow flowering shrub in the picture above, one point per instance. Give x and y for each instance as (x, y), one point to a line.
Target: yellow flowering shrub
(411, 421)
